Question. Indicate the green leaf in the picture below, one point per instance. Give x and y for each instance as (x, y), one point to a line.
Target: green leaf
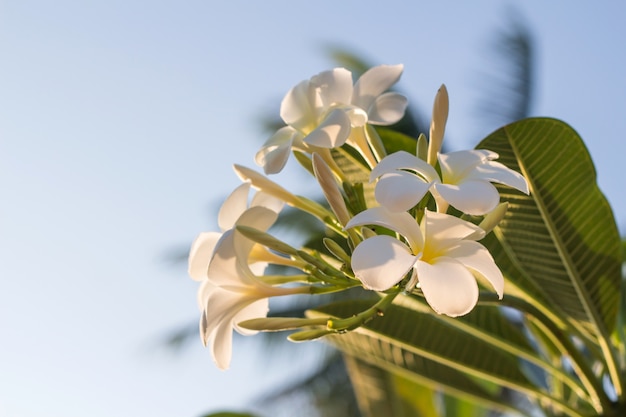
(382, 393)
(355, 172)
(429, 350)
(395, 141)
(562, 238)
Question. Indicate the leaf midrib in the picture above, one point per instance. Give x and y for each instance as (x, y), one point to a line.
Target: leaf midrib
(569, 265)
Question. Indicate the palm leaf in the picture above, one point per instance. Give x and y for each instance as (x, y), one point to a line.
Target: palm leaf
(508, 83)
(382, 393)
(429, 350)
(563, 235)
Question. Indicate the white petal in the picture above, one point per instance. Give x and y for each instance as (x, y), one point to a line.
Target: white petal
(471, 197)
(387, 109)
(229, 265)
(443, 230)
(257, 309)
(478, 259)
(223, 268)
(456, 166)
(259, 218)
(204, 330)
(275, 152)
(299, 108)
(487, 154)
(358, 117)
(262, 199)
(233, 207)
(401, 222)
(221, 306)
(380, 262)
(222, 345)
(204, 292)
(200, 254)
(400, 191)
(373, 83)
(335, 86)
(403, 160)
(332, 132)
(448, 286)
(258, 268)
(500, 173)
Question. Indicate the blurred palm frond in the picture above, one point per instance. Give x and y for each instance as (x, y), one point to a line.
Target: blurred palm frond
(507, 83)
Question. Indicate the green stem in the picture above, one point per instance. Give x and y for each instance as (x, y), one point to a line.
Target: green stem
(363, 317)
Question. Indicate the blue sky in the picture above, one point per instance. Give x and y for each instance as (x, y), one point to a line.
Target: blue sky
(119, 124)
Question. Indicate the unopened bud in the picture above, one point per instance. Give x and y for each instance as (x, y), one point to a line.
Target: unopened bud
(331, 191)
(337, 251)
(266, 240)
(275, 324)
(422, 147)
(438, 124)
(491, 220)
(306, 335)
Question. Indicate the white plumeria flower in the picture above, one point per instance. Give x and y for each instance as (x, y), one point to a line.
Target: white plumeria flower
(323, 110)
(229, 290)
(440, 253)
(465, 182)
(232, 292)
(233, 207)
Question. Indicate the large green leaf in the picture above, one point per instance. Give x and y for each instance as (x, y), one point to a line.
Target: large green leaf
(382, 393)
(395, 141)
(432, 351)
(562, 238)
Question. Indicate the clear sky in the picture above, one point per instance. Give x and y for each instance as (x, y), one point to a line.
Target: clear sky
(119, 123)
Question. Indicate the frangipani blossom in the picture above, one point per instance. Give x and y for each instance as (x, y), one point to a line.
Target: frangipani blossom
(323, 110)
(440, 253)
(229, 290)
(465, 182)
(232, 292)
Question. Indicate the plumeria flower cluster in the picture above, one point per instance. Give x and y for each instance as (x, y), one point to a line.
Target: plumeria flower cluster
(409, 237)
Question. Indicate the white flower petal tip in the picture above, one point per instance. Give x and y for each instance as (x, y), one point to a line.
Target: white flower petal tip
(369, 94)
(467, 177)
(273, 156)
(471, 197)
(388, 109)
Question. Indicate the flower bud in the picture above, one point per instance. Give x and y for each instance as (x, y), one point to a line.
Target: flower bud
(493, 218)
(274, 324)
(438, 124)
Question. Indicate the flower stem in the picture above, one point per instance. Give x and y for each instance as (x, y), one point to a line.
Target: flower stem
(377, 310)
